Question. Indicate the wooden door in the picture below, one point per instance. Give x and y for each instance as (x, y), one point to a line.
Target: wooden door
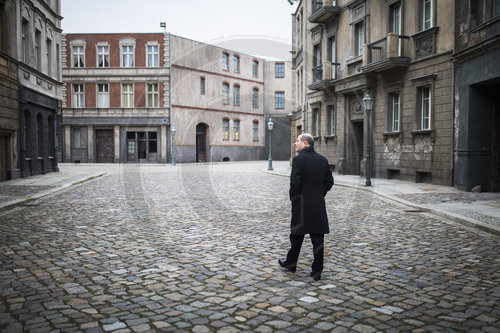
(105, 146)
(495, 146)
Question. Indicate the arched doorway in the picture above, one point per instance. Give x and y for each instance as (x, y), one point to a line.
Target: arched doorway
(201, 142)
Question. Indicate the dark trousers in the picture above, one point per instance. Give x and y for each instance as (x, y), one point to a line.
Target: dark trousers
(318, 250)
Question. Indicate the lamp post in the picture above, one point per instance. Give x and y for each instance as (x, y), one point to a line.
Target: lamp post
(368, 105)
(172, 135)
(270, 125)
(164, 26)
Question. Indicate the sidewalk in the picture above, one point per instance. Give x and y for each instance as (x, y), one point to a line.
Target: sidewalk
(21, 191)
(477, 210)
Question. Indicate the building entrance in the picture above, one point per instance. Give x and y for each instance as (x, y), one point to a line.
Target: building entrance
(142, 146)
(355, 149)
(105, 146)
(495, 145)
(201, 143)
(5, 153)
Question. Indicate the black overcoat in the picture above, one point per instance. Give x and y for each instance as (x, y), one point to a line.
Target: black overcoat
(310, 180)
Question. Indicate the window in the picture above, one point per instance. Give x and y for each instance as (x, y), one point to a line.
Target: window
(103, 56)
(255, 68)
(395, 18)
(236, 130)
(225, 61)
(77, 138)
(153, 95)
(331, 119)
(255, 131)
(202, 85)
(279, 100)
(78, 96)
(425, 12)
(25, 37)
(153, 56)
(152, 142)
(127, 56)
(102, 96)
(279, 69)
(38, 49)
(393, 111)
(127, 95)
(49, 57)
(255, 98)
(225, 93)
(424, 107)
(315, 122)
(225, 129)
(359, 38)
(236, 95)
(78, 56)
(236, 64)
(483, 11)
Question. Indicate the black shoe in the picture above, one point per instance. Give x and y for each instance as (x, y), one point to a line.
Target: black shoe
(315, 275)
(289, 268)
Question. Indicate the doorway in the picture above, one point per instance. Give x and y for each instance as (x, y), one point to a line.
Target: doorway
(5, 158)
(105, 146)
(356, 147)
(201, 142)
(495, 145)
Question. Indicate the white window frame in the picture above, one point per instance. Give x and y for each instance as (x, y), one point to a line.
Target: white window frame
(425, 95)
(127, 95)
(78, 94)
(153, 95)
(394, 111)
(127, 55)
(152, 54)
(78, 58)
(316, 125)
(103, 95)
(331, 119)
(427, 22)
(359, 38)
(102, 53)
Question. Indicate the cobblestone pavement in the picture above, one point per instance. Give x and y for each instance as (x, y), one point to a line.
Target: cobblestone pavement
(195, 248)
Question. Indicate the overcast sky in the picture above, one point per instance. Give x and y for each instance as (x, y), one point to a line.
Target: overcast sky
(210, 21)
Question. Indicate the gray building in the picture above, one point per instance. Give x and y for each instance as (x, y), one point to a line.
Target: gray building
(477, 100)
(30, 86)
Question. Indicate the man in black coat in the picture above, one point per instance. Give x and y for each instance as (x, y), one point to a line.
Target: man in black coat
(310, 180)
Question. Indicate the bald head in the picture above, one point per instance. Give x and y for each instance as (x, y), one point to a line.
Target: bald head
(303, 141)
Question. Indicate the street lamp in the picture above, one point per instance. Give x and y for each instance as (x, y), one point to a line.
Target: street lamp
(172, 135)
(164, 26)
(368, 105)
(270, 126)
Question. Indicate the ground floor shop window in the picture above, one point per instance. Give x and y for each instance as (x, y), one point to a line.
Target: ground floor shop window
(142, 146)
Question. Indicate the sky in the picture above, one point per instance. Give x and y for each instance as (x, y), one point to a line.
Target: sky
(256, 27)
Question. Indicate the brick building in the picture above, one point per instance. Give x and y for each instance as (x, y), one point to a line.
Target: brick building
(116, 105)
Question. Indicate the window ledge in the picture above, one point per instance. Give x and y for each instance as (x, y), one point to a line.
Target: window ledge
(355, 59)
(329, 137)
(430, 133)
(388, 135)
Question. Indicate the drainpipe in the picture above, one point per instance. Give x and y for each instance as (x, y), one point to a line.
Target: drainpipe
(453, 143)
(170, 89)
(306, 72)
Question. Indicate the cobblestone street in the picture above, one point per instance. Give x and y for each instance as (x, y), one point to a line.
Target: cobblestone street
(195, 248)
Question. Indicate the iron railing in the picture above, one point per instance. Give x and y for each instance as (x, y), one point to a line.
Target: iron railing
(377, 51)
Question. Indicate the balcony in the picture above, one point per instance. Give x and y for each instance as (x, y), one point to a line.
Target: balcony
(388, 53)
(323, 10)
(324, 75)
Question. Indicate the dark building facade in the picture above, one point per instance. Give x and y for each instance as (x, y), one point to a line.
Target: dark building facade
(477, 100)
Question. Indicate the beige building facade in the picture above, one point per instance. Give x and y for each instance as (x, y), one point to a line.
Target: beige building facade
(399, 51)
(222, 101)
